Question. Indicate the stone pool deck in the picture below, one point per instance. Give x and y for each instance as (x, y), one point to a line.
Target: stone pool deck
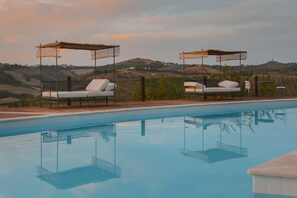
(277, 177)
(13, 112)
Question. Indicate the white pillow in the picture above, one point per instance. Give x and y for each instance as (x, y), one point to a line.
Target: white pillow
(97, 85)
(228, 84)
(110, 87)
(190, 84)
(194, 84)
(200, 86)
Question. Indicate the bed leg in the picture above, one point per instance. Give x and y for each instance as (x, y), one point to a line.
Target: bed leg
(79, 102)
(106, 100)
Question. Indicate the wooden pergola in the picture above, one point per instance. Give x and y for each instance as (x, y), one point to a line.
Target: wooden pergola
(221, 55)
(98, 51)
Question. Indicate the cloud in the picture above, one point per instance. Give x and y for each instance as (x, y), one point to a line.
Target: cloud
(156, 20)
(19, 57)
(124, 36)
(152, 26)
(147, 35)
(14, 39)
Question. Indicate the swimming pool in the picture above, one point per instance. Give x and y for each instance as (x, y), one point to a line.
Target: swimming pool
(183, 153)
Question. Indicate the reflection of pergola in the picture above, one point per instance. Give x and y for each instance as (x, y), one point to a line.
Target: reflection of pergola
(222, 151)
(220, 56)
(99, 170)
(98, 51)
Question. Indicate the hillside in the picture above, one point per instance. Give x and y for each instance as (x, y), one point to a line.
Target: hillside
(18, 81)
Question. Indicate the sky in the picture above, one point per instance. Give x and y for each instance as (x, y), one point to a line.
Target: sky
(153, 29)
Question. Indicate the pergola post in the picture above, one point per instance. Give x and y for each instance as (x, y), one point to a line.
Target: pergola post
(184, 72)
(202, 64)
(57, 76)
(114, 75)
(220, 67)
(95, 75)
(240, 76)
(41, 80)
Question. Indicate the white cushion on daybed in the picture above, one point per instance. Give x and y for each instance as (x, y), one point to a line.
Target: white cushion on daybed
(204, 90)
(194, 84)
(97, 85)
(110, 87)
(100, 93)
(231, 89)
(211, 90)
(76, 94)
(228, 84)
(65, 94)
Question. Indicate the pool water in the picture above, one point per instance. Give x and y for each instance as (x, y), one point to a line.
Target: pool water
(188, 156)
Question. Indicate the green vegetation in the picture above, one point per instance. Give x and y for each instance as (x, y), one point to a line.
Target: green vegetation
(6, 94)
(160, 89)
(27, 102)
(267, 89)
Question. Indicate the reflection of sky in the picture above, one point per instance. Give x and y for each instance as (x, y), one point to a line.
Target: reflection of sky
(151, 165)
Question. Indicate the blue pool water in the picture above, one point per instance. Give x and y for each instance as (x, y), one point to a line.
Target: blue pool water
(183, 156)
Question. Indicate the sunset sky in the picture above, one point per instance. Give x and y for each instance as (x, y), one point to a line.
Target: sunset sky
(154, 29)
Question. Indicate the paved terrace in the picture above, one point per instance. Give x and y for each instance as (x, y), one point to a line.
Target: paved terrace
(13, 112)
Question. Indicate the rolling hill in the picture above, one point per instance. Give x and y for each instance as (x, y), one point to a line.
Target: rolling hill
(18, 81)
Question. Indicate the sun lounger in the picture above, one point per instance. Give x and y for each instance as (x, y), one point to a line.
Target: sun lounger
(96, 88)
(223, 87)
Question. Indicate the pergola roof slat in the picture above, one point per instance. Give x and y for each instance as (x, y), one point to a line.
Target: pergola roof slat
(206, 53)
(77, 46)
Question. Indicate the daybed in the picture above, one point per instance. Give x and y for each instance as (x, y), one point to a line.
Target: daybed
(224, 87)
(97, 88)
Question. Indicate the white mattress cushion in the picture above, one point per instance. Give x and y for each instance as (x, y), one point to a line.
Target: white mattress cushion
(100, 93)
(97, 85)
(65, 94)
(205, 90)
(231, 89)
(228, 84)
(110, 87)
(193, 89)
(213, 90)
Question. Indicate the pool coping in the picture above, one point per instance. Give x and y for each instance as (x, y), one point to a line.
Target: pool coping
(46, 115)
(283, 167)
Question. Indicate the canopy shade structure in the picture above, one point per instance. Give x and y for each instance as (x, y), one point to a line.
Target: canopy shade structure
(98, 51)
(77, 46)
(221, 55)
(212, 52)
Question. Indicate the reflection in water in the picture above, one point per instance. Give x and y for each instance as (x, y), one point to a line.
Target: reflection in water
(226, 123)
(233, 122)
(99, 170)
